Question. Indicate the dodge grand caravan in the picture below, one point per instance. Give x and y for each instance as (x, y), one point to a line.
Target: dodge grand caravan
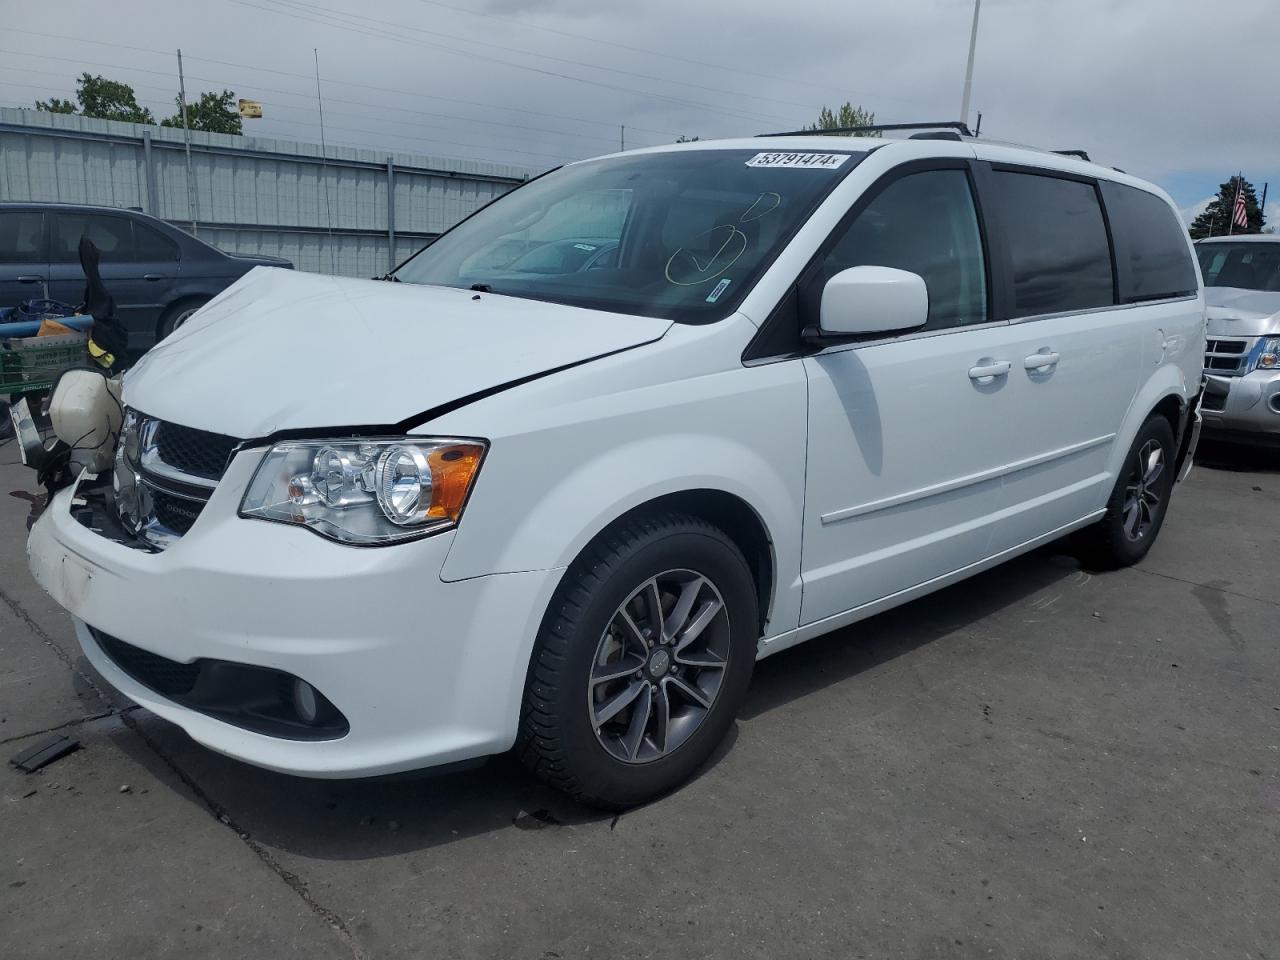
(357, 527)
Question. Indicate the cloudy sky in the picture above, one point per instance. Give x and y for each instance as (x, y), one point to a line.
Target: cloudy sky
(1179, 91)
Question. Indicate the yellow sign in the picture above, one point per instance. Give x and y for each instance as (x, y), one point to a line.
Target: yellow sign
(250, 109)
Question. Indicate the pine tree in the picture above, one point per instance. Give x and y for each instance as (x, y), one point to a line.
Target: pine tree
(1216, 218)
(846, 116)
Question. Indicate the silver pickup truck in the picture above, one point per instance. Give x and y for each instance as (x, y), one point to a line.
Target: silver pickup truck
(1242, 363)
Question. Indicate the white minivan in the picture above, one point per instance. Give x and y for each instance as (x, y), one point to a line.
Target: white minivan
(643, 420)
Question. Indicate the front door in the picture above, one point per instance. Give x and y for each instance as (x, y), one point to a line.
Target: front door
(908, 435)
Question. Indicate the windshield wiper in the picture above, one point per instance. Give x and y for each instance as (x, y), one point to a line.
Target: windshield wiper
(390, 278)
(482, 288)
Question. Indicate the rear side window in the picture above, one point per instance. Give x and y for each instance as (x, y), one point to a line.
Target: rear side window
(1152, 259)
(1057, 243)
(113, 237)
(22, 237)
(925, 223)
(152, 244)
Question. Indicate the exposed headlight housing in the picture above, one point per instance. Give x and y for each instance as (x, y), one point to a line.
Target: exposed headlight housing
(365, 492)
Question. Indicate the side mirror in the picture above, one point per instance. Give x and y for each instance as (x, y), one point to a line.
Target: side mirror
(871, 300)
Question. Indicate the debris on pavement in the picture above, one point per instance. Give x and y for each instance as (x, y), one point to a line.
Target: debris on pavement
(44, 753)
(537, 820)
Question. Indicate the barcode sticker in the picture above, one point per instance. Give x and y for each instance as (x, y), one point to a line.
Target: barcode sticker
(810, 161)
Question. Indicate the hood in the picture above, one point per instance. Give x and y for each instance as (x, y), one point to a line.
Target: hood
(1236, 312)
(282, 350)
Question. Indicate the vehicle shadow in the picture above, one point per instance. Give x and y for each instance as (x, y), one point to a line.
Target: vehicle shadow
(389, 816)
(1237, 457)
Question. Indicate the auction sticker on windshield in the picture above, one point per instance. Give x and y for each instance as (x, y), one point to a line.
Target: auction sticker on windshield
(815, 161)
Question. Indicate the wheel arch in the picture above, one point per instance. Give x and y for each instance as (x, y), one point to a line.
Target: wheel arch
(731, 514)
(1166, 394)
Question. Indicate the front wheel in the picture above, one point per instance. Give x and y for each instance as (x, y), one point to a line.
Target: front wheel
(642, 662)
(1138, 502)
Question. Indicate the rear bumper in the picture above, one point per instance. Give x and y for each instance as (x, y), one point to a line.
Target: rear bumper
(1246, 408)
(424, 672)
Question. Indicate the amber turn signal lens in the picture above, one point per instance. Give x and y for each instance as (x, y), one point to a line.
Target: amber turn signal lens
(453, 470)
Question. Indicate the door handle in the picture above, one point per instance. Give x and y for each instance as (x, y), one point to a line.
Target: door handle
(30, 278)
(154, 276)
(987, 370)
(1042, 360)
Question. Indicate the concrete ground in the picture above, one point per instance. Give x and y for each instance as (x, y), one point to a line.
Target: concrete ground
(1040, 762)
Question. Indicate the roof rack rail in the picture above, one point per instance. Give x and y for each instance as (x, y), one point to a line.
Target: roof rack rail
(1073, 153)
(957, 125)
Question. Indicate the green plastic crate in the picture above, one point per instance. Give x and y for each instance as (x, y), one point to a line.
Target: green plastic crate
(29, 364)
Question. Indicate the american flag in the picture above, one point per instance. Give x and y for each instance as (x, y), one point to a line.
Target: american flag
(1240, 216)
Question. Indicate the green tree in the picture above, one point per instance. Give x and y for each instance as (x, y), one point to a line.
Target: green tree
(846, 116)
(683, 139)
(101, 98)
(1216, 218)
(212, 113)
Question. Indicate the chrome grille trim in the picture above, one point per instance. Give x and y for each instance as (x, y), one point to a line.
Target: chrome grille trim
(1228, 356)
(150, 492)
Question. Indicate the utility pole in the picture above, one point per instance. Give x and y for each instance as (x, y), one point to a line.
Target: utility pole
(968, 70)
(324, 166)
(192, 208)
(622, 137)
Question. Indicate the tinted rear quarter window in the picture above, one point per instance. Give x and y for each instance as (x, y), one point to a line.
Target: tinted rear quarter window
(1057, 242)
(22, 237)
(1152, 258)
(152, 244)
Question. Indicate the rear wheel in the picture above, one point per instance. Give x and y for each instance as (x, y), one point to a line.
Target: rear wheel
(178, 314)
(642, 662)
(1138, 503)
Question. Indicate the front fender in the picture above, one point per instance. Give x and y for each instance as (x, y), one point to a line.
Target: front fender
(563, 473)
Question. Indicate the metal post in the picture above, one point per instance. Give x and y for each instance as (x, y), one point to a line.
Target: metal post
(149, 171)
(1262, 207)
(968, 70)
(391, 215)
(324, 165)
(622, 137)
(192, 207)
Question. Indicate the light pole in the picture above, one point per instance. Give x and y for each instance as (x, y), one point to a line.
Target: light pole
(968, 70)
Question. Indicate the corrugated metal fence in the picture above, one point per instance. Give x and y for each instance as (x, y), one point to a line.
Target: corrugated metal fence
(252, 195)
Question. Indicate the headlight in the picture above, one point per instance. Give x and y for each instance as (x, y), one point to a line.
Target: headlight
(1268, 355)
(365, 492)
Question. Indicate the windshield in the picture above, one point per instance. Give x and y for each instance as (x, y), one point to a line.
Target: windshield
(681, 235)
(1251, 266)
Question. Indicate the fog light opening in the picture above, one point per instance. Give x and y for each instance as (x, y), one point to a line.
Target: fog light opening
(306, 702)
(1275, 403)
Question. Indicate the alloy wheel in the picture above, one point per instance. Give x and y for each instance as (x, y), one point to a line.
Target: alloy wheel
(659, 666)
(1142, 500)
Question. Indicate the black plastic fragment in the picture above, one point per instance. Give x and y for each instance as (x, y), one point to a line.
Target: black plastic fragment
(44, 753)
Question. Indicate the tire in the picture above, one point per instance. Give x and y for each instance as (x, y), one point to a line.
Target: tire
(587, 660)
(177, 314)
(1137, 507)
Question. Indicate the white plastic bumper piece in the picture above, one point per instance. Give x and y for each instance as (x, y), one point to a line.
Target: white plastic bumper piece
(425, 672)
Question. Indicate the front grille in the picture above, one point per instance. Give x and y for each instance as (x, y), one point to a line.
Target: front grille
(160, 496)
(153, 671)
(197, 452)
(1227, 356)
(176, 513)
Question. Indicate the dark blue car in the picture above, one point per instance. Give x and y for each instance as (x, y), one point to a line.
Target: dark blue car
(159, 275)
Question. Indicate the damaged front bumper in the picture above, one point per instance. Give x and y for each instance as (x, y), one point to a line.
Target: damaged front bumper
(1245, 408)
(421, 671)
